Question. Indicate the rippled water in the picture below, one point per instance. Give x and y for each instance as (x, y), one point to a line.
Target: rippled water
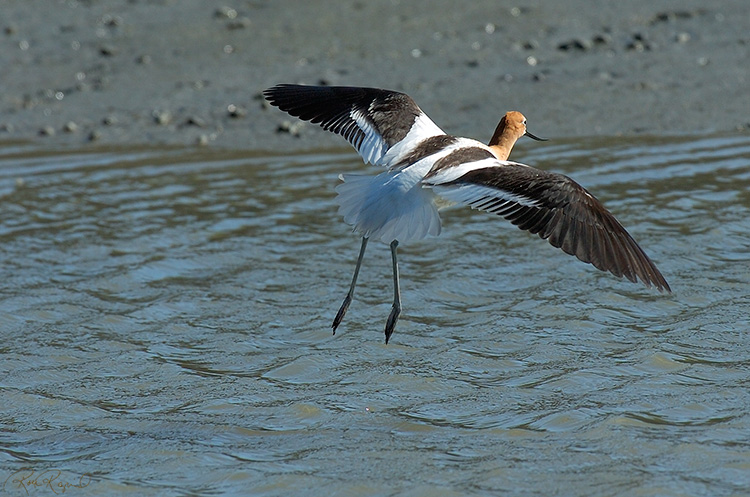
(165, 330)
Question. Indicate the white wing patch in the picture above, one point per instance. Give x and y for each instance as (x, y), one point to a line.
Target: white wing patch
(373, 146)
(452, 173)
(374, 149)
(422, 129)
(478, 195)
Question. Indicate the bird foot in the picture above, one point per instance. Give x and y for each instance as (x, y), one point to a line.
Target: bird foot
(342, 312)
(390, 325)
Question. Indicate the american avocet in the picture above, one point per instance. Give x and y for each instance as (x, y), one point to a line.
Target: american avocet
(388, 129)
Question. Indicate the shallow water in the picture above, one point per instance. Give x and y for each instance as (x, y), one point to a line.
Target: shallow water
(165, 330)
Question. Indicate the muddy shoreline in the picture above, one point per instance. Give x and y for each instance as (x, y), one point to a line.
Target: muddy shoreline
(190, 72)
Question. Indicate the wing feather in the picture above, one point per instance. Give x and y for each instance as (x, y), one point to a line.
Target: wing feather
(372, 120)
(557, 209)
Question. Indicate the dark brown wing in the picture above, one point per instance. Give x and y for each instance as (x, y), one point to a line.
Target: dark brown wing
(372, 120)
(557, 209)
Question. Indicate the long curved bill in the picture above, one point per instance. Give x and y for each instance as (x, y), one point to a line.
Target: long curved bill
(534, 137)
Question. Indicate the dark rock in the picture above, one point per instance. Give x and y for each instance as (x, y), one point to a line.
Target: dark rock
(195, 121)
(108, 50)
(575, 45)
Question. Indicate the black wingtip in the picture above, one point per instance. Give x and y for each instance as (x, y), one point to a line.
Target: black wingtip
(662, 285)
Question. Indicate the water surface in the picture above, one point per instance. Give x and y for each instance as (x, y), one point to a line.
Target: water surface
(165, 330)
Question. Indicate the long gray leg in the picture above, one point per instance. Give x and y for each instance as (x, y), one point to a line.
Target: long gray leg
(348, 299)
(396, 310)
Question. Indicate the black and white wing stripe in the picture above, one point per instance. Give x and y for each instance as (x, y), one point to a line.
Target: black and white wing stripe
(557, 209)
(374, 121)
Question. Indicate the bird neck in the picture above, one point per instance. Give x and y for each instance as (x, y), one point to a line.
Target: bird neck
(502, 141)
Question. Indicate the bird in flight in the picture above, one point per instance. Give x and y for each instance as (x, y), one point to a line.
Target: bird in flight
(422, 163)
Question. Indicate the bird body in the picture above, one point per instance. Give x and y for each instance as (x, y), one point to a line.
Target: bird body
(389, 206)
(424, 165)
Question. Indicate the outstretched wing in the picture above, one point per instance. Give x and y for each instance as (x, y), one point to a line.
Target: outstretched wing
(374, 121)
(557, 209)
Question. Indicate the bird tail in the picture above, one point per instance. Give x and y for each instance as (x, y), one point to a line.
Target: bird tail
(387, 209)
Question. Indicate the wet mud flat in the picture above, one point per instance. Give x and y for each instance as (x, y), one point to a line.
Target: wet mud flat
(191, 72)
